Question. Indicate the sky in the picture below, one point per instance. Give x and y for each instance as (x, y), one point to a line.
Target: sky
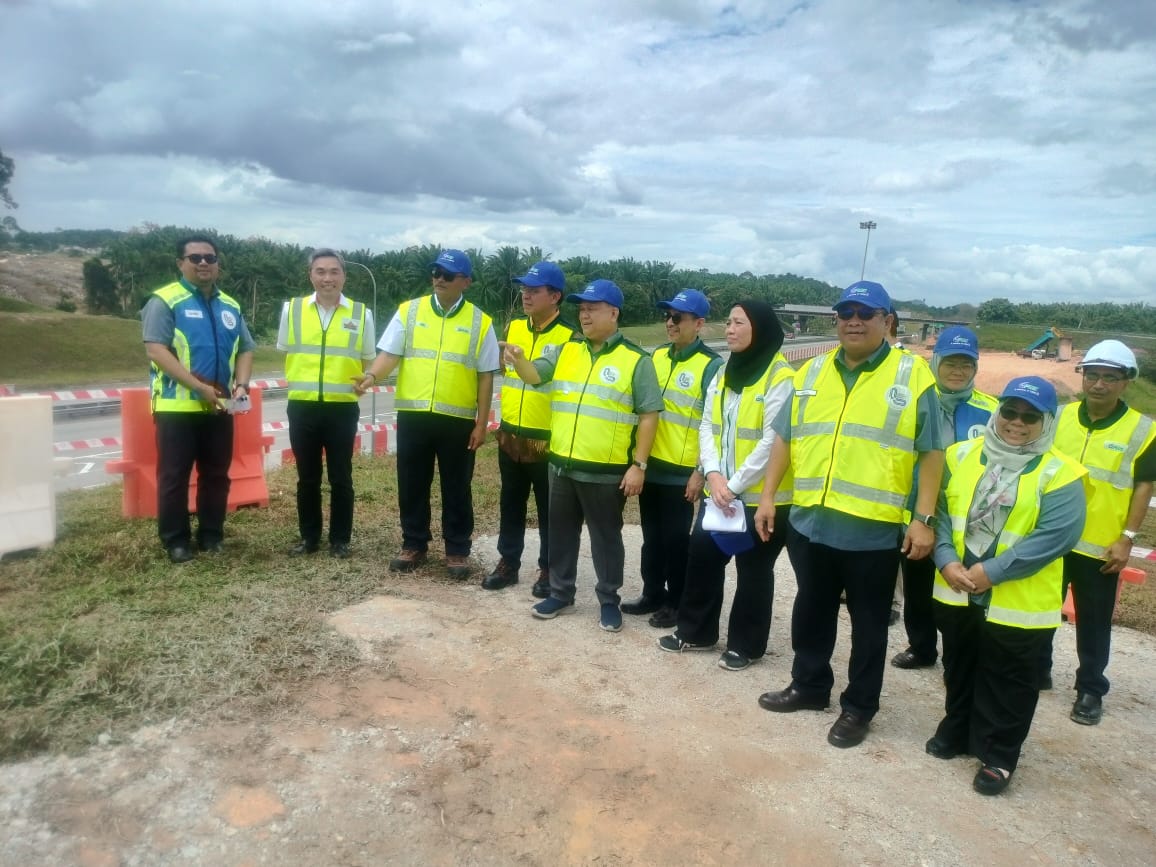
(1003, 149)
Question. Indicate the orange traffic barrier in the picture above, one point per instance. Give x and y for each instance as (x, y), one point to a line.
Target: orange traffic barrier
(139, 464)
(1129, 574)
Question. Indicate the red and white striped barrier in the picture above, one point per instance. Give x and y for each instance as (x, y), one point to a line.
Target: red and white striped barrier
(809, 350)
(81, 445)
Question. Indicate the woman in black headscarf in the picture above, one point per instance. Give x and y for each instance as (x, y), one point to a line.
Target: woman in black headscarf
(734, 444)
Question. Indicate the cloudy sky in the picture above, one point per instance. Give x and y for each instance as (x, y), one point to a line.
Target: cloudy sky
(1002, 148)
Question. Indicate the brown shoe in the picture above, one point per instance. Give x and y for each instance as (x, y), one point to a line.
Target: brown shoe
(504, 575)
(541, 588)
(407, 560)
(458, 565)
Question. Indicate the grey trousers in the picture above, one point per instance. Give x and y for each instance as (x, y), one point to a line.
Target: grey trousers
(600, 506)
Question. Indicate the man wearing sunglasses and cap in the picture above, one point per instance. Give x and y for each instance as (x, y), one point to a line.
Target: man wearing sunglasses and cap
(445, 353)
(604, 405)
(524, 434)
(201, 354)
(1115, 444)
(862, 418)
(686, 367)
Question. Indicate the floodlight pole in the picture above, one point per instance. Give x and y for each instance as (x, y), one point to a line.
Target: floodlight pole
(868, 225)
(373, 395)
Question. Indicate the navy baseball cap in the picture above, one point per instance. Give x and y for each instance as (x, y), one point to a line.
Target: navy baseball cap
(957, 340)
(544, 274)
(688, 301)
(1035, 390)
(454, 261)
(599, 290)
(732, 544)
(866, 293)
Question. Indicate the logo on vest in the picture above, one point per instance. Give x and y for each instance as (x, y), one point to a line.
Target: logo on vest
(609, 375)
(1116, 447)
(349, 325)
(228, 319)
(899, 396)
(685, 379)
(976, 430)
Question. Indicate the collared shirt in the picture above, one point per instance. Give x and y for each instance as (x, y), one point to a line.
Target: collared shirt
(850, 532)
(393, 340)
(643, 387)
(326, 316)
(158, 326)
(1144, 469)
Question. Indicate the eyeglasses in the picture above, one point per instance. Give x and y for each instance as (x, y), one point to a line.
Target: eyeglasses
(442, 274)
(865, 314)
(198, 258)
(1028, 418)
(1106, 378)
(672, 316)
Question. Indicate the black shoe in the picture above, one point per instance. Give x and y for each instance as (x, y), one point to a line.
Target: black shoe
(1044, 682)
(849, 730)
(990, 780)
(1088, 709)
(505, 574)
(941, 749)
(642, 605)
(664, 618)
(217, 547)
(302, 548)
(790, 700)
(340, 550)
(181, 554)
(910, 659)
(893, 618)
(541, 588)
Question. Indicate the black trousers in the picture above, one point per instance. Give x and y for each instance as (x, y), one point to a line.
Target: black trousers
(918, 610)
(599, 506)
(666, 518)
(989, 671)
(1094, 594)
(185, 440)
(519, 478)
(318, 428)
(823, 574)
(749, 626)
(422, 439)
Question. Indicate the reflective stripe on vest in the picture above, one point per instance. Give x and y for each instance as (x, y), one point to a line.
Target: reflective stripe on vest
(676, 440)
(205, 340)
(1032, 602)
(439, 367)
(593, 423)
(862, 467)
(525, 409)
(749, 425)
(319, 366)
(1110, 456)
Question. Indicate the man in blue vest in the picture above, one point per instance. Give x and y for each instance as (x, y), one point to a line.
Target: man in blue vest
(201, 354)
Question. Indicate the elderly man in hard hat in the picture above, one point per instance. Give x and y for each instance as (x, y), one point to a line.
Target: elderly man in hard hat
(1115, 444)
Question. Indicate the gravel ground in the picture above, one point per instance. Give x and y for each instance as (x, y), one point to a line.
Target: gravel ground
(477, 735)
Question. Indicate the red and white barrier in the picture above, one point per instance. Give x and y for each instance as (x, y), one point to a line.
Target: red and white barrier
(808, 350)
(81, 445)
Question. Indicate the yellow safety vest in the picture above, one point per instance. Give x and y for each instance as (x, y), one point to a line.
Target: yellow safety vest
(205, 340)
(676, 440)
(749, 424)
(439, 367)
(1110, 456)
(321, 363)
(526, 408)
(593, 422)
(855, 452)
(1027, 603)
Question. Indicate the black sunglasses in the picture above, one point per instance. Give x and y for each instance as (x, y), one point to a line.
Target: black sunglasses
(198, 258)
(865, 314)
(440, 273)
(672, 316)
(1029, 418)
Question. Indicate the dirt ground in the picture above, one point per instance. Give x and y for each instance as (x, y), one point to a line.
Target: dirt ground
(477, 735)
(42, 278)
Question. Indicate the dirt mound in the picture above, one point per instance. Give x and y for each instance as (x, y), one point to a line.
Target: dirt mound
(44, 278)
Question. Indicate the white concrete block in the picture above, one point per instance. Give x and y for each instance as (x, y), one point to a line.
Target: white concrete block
(27, 501)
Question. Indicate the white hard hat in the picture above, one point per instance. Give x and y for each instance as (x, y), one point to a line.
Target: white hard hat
(1111, 353)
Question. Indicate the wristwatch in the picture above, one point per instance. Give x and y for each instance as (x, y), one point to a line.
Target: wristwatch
(243, 385)
(641, 465)
(929, 520)
(1131, 534)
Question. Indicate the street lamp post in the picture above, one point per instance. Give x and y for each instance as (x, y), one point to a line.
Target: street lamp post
(373, 395)
(869, 225)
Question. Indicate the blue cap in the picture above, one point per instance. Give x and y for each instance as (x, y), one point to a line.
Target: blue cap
(1035, 390)
(866, 293)
(957, 340)
(544, 274)
(732, 544)
(599, 290)
(688, 301)
(454, 261)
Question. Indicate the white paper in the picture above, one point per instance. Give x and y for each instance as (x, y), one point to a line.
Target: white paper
(715, 520)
